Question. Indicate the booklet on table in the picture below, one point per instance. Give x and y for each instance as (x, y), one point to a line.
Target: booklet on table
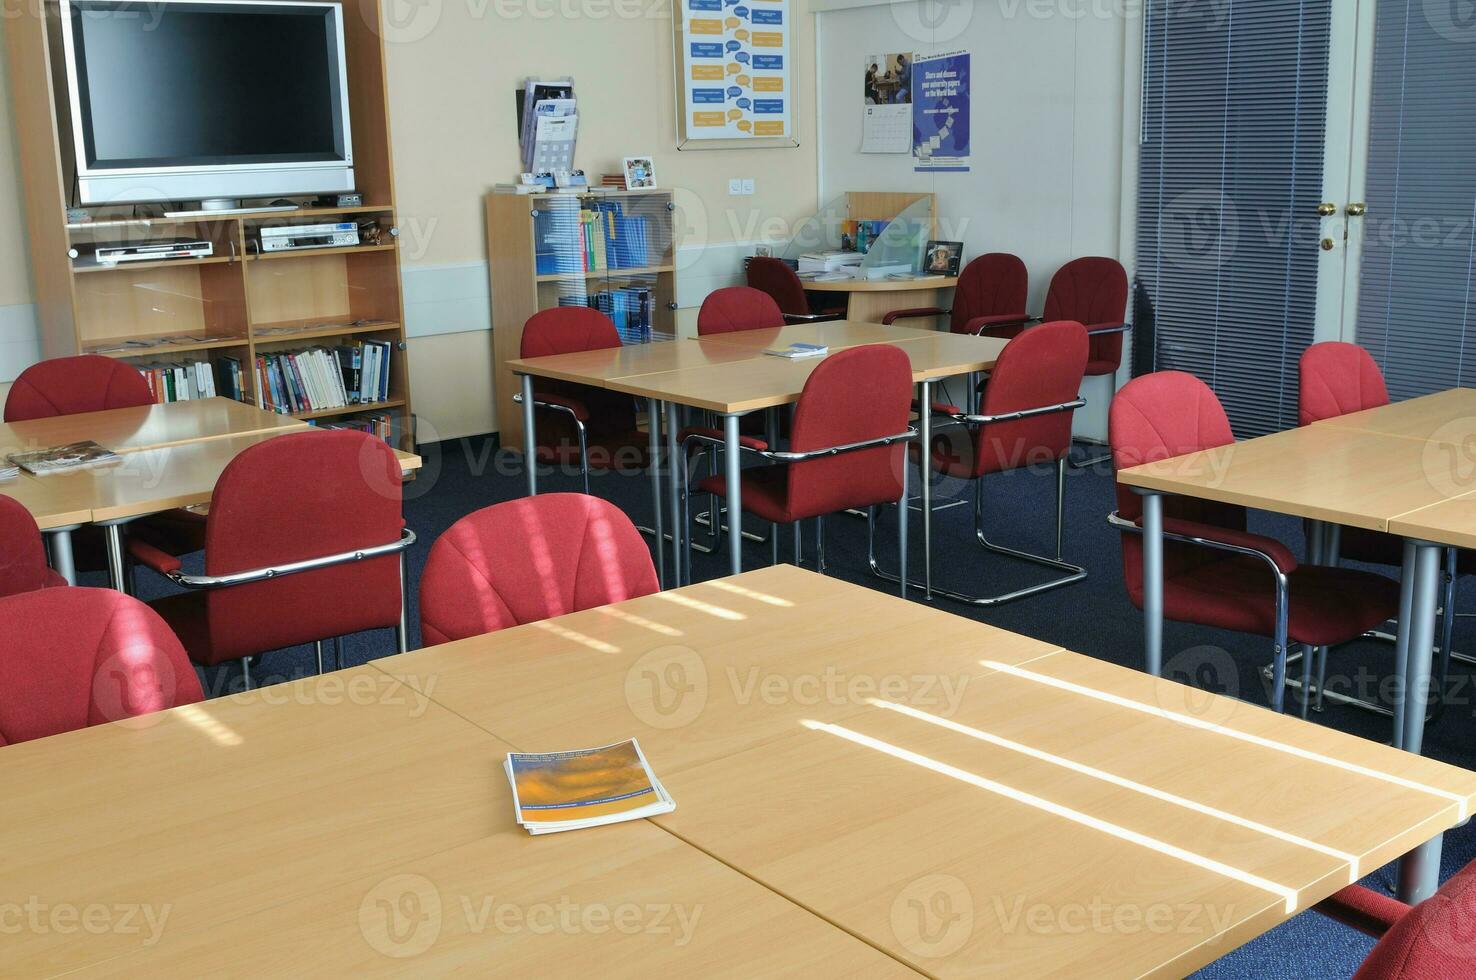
(556, 791)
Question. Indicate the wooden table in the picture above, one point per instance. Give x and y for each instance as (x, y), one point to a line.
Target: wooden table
(962, 798)
(1446, 416)
(872, 299)
(362, 828)
(125, 430)
(730, 376)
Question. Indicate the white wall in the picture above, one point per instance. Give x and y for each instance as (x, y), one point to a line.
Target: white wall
(1048, 107)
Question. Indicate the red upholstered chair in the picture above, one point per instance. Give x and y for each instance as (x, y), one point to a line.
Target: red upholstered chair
(1431, 939)
(1024, 421)
(93, 383)
(1217, 573)
(845, 449)
(784, 285)
(989, 298)
(305, 543)
(23, 565)
(528, 560)
(73, 658)
(736, 308)
(580, 424)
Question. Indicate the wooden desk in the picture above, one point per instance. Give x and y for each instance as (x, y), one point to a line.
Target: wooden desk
(596, 367)
(362, 828)
(1193, 822)
(126, 430)
(872, 299)
(1446, 416)
(835, 334)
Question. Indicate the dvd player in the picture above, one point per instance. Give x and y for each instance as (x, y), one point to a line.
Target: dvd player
(284, 238)
(111, 253)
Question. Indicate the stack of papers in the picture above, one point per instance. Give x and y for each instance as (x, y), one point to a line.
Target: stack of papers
(799, 350)
(9, 471)
(76, 456)
(557, 791)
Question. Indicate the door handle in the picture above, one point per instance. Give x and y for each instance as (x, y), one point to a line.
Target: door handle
(1328, 244)
(1356, 210)
(1327, 210)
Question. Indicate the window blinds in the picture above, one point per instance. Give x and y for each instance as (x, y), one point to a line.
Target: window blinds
(1229, 179)
(1415, 288)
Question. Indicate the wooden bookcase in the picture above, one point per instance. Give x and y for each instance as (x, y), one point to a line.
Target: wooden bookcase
(238, 302)
(536, 244)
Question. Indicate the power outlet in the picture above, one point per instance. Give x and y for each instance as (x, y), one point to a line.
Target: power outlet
(747, 186)
(735, 187)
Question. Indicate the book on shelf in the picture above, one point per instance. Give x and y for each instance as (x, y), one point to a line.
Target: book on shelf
(180, 381)
(559, 791)
(630, 308)
(796, 351)
(73, 456)
(602, 237)
(381, 425)
(318, 379)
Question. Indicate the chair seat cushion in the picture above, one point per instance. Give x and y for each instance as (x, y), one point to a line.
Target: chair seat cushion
(1095, 369)
(624, 450)
(185, 612)
(174, 532)
(765, 493)
(1328, 605)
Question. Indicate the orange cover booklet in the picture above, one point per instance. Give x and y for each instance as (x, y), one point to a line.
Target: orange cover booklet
(555, 791)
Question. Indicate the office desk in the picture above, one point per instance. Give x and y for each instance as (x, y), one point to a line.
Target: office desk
(963, 798)
(872, 299)
(346, 824)
(835, 334)
(126, 430)
(1446, 416)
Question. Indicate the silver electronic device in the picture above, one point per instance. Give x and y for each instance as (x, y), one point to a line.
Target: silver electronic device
(179, 248)
(286, 238)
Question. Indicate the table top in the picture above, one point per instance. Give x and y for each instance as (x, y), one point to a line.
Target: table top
(363, 828)
(595, 367)
(1327, 473)
(835, 334)
(1446, 416)
(879, 285)
(955, 795)
(125, 430)
(1451, 522)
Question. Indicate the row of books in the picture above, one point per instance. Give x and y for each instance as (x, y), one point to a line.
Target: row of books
(317, 378)
(379, 425)
(631, 308)
(858, 236)
(180, 381)
(602, 237)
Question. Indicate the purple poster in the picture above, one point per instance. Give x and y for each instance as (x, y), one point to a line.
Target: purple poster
(940, 112)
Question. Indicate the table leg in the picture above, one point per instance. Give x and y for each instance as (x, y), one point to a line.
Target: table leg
(653, 466)
(674, 460)
(733, 464)
(113, 539)
(61, 553)
(530, 437)
(1153, 583)
(1401, 641)
(1419, 872)
(924, 472)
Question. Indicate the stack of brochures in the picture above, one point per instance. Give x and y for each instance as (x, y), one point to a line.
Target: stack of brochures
(76, 456)
(799, 350)
(9, 471)
(557, 791)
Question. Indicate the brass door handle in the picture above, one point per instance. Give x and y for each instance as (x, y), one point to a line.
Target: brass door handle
(1356, 210)
(1328, 244)
(1327, 210)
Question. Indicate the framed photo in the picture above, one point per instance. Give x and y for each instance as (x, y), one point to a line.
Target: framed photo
(640, 173)
(943, 258)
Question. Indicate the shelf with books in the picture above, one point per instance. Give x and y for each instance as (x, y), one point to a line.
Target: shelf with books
(611, 273)
(315, 328)
(164, 347)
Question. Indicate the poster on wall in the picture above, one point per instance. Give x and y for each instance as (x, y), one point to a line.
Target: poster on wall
(886, 125)
(733, 59)
(940, 113)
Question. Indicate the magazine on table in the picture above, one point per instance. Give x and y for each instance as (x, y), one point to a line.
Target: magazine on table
(799, 350)
(74, 456)
(557, 791)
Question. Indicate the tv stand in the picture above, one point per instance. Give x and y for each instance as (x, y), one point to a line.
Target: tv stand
(228, 206)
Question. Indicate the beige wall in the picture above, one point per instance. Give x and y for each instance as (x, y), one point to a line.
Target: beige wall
(15, 267)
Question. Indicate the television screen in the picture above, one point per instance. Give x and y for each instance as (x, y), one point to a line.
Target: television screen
(167, 85)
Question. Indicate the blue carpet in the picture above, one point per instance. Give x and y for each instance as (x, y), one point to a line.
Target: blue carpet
(1092, 617)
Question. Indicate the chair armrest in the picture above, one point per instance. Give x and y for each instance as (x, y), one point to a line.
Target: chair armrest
(1269, 550)
(744, 442)
(573, 406)
(778, 456)
(1367, 911)
(1101, 328)
(1023, 413)
(939, 408)
(812, 317)
(406, 540)
(979, 324)
(149, 556)
(913, 313)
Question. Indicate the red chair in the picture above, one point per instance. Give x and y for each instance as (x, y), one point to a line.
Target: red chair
(529, 560)
(1215, 572)
(74, 658)
(735, 308)
(1337, 379)
(1431, 939)
(578, 423)
(93, 383)
(989, 298)
(785, 287)
(23, 565)
(1025, 421)
(845, 451)
(305, 543)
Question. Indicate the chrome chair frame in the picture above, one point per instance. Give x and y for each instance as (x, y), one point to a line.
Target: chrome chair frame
(1074, 573)
(578, 427)
(1282, 599)
(684, 573)
(200, 583)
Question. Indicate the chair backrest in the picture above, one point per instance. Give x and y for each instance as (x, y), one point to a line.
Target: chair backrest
(73, 658)
(1042, 366)
(1159, 416)
(22, 556)
(290, 499)
(528, 560)
(852, 396)
(737, 308)
(1093, 291)
(1338, 378)
(1436, 938)
(994, 284)
(71, 385)
(567, 330)
(783, 285)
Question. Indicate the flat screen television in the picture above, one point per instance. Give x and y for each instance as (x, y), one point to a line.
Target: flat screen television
(178, 100)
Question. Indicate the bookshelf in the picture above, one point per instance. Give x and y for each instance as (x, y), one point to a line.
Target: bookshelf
(542, 255)
(237, 303)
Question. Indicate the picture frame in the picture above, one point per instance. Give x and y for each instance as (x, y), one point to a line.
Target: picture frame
(640, 173)
(942, 258)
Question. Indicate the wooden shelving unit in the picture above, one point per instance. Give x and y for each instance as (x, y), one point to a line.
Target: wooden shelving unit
(235, 302)
(537, 245)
